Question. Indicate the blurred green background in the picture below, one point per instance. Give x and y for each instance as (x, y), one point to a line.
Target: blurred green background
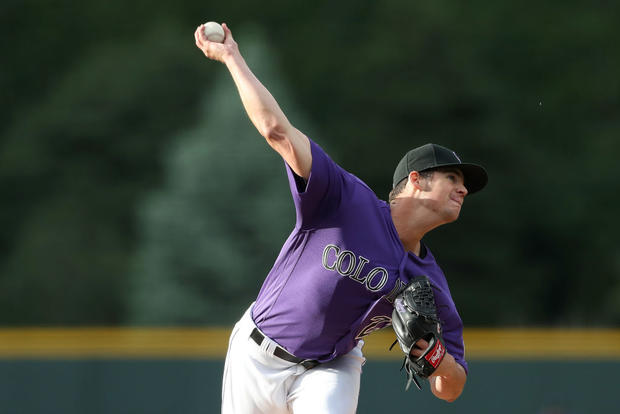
(136, 191)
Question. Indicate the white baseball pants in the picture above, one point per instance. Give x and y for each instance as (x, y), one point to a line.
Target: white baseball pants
(255, 381)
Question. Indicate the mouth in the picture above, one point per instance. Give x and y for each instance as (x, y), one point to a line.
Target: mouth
(457, 201)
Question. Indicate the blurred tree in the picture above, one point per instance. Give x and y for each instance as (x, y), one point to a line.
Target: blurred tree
(73, 168)
(209, 236)
(93, 91)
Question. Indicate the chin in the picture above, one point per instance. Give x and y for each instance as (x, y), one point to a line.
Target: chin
(452, 215)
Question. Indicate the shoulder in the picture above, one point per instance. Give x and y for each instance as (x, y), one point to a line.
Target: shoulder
(324, 165)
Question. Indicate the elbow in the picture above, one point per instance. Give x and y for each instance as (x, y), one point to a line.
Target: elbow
(274, 135)
(272, 130)
(278, 136)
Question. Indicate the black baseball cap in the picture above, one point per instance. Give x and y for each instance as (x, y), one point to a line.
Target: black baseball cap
(431, 156)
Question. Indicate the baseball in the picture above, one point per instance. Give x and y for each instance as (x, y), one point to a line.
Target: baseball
(214, 32)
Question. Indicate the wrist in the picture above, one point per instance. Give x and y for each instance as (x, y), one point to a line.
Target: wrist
(232, 57)
(447, 365)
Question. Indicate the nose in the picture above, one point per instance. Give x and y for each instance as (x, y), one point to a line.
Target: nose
(462, 190)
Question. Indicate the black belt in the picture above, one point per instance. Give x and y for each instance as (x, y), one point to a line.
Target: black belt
(282, 353)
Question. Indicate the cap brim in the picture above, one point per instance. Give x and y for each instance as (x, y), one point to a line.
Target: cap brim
(476, 177)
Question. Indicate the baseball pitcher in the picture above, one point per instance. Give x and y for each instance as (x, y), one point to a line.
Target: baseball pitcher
(352, 264)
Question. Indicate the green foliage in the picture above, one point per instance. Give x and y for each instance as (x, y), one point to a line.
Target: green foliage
(73, 166)
(103, 139)
(207, 239)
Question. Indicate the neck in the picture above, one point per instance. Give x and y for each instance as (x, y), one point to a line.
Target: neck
(411, 224)
(408, 237)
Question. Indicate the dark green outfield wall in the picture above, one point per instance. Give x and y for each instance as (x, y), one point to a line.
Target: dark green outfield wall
(503, 388)
(193, 386)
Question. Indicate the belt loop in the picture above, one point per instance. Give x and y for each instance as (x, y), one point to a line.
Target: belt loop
(268, 345)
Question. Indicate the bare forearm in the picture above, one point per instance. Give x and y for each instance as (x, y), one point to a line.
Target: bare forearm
(260, 105)
(269, 119)
(449, 379)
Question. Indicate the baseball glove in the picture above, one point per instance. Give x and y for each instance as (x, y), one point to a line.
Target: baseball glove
(415, 317)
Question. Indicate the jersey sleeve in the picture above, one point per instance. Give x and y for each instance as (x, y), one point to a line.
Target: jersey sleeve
(321, 195)
(455, 345)
(452, 326)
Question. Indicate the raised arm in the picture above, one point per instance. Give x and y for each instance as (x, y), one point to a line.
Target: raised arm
(260, 105)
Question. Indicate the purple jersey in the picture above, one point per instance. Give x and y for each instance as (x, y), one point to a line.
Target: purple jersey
(339, 271)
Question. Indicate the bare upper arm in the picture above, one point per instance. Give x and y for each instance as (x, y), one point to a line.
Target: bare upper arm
(294, 147)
